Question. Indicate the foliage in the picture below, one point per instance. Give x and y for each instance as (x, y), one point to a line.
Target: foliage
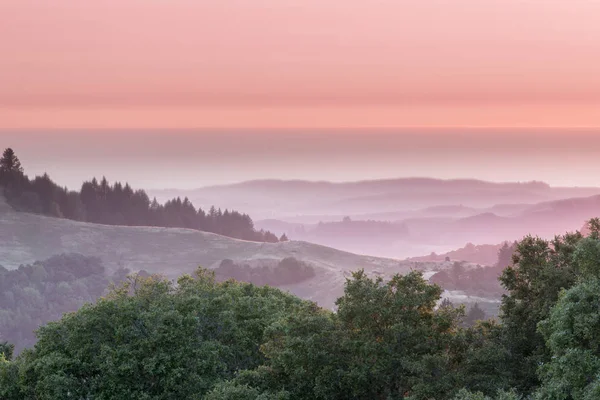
(202, 339)
(541, 270)
(474, 314)
(572, 333)
(473, 281)
(35, 294)
(505, 255)
(117, 204)
(7, 350)
(387, 340)
(285, 272)
(501, 395)
(152, 339)
(9, 163)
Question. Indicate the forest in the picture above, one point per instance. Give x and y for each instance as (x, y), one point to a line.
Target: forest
(117, 204)
(197, 338)
(35, 294)
(478, 281)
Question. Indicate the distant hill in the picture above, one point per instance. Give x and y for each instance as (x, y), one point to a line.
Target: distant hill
(25, 238)
(444, 228)
(484, 254)
(278, 199)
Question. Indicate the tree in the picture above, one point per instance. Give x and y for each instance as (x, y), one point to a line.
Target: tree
(505, 255)
(9, 163)
(446, 303)
(475, 314)
(501, 395)
(117, 204)
(387, 341)
(572, 334)
(150, 339)
(6, 350)
(284, 238)
(457, 271)
(540, 270)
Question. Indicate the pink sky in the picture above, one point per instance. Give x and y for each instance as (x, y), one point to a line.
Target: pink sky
(283, 63)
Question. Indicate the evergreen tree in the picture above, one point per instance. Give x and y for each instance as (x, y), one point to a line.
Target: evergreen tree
(9, 163)
(475, 314)
(7, 349)
(117, 204)
(284, 238)
(505, 255)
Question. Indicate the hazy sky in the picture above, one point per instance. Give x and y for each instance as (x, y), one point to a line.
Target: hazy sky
(301, 63)
(194, 158)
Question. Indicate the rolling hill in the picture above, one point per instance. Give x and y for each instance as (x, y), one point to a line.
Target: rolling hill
(282, 199)
(25, 238)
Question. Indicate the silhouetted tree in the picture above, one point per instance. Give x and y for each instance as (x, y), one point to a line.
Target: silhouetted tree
(283, 238)
(505, 255)
(118, 204)
(9, 163)
(446, 303)
(475, 314)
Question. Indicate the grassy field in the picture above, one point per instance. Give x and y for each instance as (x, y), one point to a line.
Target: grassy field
(25, 238)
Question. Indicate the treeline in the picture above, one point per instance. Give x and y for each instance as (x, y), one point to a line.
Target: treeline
(288, 271)
(478, 281)
(201, 339)
(117, 204)
(35, 294)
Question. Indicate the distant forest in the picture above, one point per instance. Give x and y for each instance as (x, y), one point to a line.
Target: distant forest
(35, 294)
(117, 204)
(478, 281)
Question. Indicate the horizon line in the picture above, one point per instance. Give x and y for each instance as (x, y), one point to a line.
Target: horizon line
(326, 128)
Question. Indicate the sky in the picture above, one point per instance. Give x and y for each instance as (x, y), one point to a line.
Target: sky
(188, 93)
(187, 159)
(182, 64)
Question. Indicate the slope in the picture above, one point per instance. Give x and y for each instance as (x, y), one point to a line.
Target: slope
(25, 238)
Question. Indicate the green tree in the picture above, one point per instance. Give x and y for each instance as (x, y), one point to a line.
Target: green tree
(501, 395)
(387, 340)
(152, 339)
(482, 358)
(572, 334)
(7, 350)
(572, 330)
(540, 270)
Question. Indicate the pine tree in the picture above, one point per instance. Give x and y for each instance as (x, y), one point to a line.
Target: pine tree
(475, 314)
(9, 163)
(284, 238)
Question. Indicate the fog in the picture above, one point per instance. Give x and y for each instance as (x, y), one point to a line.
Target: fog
(197, 158)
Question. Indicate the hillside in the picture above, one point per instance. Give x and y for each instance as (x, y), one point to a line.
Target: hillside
(445, 228)
(27, 237)
(484, 254)
(283, 199)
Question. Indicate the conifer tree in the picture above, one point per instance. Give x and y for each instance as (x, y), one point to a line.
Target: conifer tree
(9, 163)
